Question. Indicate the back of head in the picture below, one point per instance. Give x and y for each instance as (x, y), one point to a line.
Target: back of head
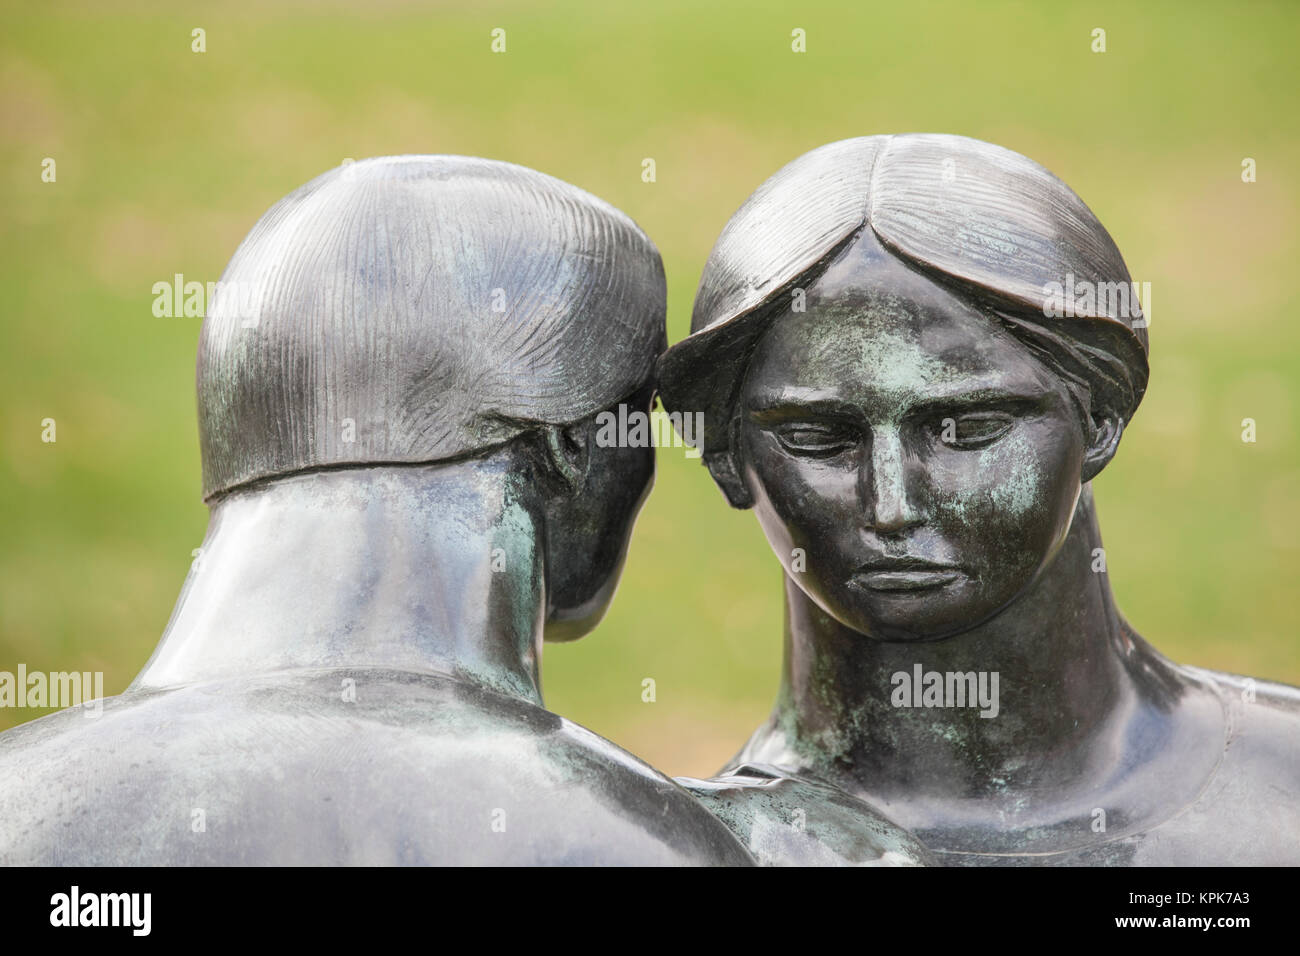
(415, 309)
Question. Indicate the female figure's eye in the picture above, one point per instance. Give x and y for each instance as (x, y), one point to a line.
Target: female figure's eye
(973, 429)
(815, 440)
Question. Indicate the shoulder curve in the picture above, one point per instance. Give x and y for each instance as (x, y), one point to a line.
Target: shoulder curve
(788, 819)
(407, 770)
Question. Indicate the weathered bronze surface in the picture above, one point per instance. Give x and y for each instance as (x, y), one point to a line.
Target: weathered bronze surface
(891, 382)
(397, 387)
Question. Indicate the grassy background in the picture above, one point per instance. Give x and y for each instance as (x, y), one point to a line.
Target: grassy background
(166, 158)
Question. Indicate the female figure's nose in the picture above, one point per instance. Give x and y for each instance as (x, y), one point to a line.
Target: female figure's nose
(883, 484)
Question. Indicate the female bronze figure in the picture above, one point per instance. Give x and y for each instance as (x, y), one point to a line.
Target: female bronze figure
(913, 354)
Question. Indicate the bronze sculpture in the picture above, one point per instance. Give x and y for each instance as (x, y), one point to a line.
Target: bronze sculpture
(397, 386)
(893, 379)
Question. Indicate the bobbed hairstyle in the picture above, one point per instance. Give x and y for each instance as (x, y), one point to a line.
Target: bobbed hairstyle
(984, 222)
(415, 309)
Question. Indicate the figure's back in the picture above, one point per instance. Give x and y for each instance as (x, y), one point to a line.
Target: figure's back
(459, 516)
(337, 766)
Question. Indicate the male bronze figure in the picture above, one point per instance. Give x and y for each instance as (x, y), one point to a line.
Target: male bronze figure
(398, 384)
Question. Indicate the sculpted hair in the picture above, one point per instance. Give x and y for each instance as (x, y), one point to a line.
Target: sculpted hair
(986, 222)
(416, 309)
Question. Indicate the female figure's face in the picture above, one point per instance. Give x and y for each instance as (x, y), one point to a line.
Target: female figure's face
(911, 463)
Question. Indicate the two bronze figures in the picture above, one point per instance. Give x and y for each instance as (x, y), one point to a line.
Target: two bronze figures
(399, 427)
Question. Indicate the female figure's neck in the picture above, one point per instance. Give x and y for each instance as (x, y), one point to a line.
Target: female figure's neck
(1053, 686)
(421, 568)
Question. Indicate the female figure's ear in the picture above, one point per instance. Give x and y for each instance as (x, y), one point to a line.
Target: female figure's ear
(725, 467)
(1102, 444)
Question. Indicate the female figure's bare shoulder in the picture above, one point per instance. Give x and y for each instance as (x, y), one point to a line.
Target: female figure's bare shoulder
(789, 819)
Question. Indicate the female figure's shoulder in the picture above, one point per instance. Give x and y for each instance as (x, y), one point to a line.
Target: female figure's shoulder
(789, 819)
(1248, 812)
(1263, 722)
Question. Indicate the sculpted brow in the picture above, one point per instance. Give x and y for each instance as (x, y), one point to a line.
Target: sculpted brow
(784, 407)
(987, 399)
(779, 408)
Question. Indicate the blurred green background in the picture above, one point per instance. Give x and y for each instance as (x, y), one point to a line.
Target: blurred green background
(166, 158)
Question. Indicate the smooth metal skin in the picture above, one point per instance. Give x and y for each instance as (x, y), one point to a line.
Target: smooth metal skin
(351, 673)
(917, 444)
(787, 819)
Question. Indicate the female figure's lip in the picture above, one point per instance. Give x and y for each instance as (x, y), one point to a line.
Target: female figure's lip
(907, 579)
